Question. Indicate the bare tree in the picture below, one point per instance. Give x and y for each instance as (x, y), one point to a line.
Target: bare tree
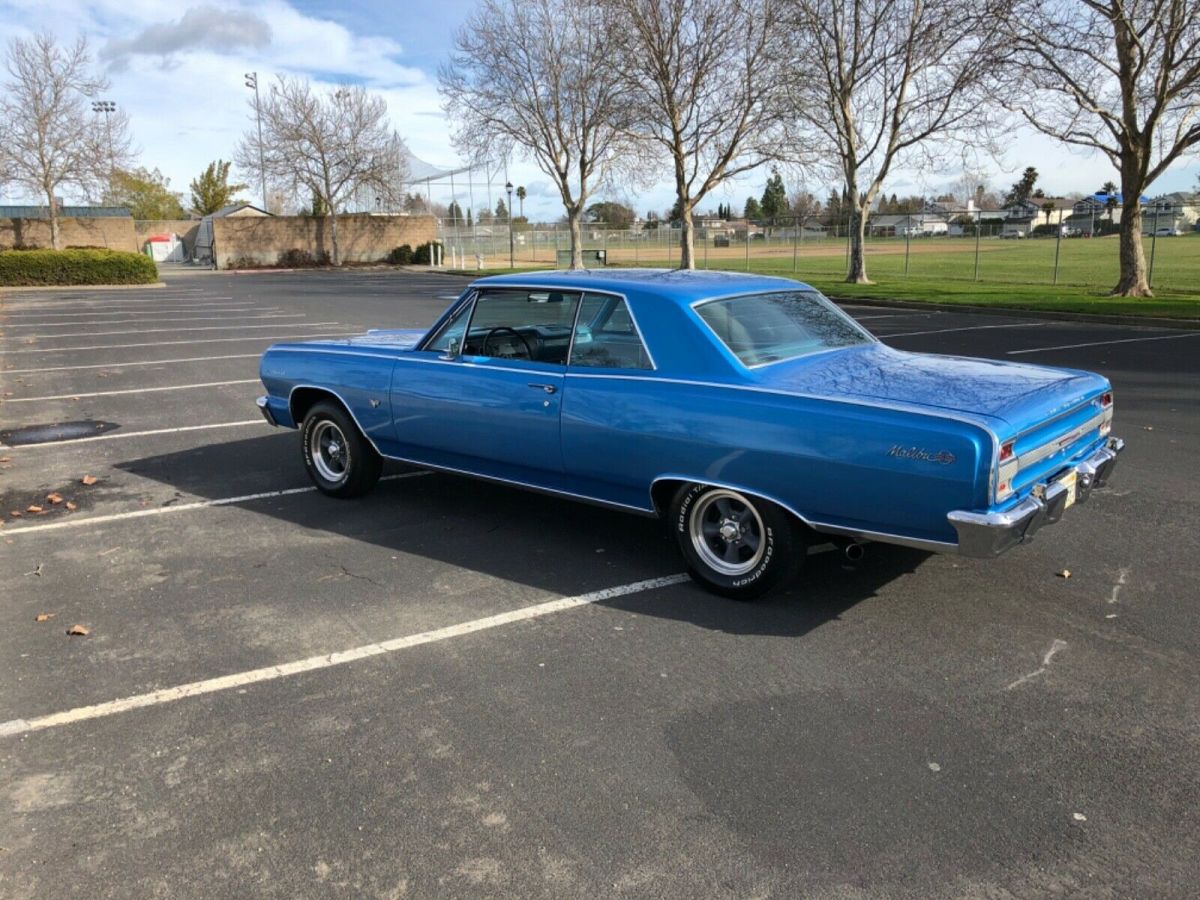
(703, 78)
(326, 146)
(537, 76)
(1118, 76)
(52, 140)
(876, 81)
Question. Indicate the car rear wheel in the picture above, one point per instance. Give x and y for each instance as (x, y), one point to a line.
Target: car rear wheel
(735, 544)
(338, 459)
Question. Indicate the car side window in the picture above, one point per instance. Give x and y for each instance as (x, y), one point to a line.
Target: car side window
(607, 337)
(531, 325)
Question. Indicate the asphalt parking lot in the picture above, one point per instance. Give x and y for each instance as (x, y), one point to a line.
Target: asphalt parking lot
(912, 726)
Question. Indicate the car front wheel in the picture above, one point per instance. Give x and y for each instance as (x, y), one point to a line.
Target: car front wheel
(736, 545)
(338, 459)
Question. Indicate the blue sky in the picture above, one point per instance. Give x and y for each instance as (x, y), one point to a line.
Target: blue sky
(176, 69)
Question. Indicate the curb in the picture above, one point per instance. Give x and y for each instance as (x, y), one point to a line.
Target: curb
(1049, 314)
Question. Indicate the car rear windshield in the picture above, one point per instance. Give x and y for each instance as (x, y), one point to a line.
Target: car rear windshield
(766, 328)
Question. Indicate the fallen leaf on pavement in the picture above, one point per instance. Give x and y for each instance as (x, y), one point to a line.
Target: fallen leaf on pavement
(89, 480)
(5, 459)
(34, 509)
(16, 514)
(44, 617)
(1065, 573)
(79, 629)
(54, 497)
(37, 571)
(71, 506)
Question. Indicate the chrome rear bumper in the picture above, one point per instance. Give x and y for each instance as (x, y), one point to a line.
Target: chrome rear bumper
(990, 534)
(265, 408)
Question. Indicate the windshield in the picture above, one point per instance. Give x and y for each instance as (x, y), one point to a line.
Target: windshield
(766, 328)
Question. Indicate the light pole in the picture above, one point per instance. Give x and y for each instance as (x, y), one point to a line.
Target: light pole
(252, 82)
(107, 107)
(511, 261)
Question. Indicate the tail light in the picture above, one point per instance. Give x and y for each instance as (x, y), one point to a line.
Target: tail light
(1106, 408)
(1106, 400)
(1006, 470)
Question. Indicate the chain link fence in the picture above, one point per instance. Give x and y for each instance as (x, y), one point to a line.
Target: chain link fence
(959, 245)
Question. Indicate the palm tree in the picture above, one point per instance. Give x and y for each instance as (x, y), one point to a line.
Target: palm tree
(521, 197)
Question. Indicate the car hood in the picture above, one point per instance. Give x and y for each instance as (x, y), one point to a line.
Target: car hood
(1016, 393)
(382, 338)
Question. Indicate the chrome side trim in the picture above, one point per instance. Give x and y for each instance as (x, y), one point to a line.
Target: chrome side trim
(882, 537)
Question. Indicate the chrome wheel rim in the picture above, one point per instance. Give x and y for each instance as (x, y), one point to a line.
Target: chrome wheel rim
(328, 451)
(727, 532)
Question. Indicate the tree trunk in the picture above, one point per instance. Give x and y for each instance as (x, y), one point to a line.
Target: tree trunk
(574, 218)
(55, 233)
(687, 239)
(337, 256)
(1133, 282)
(857, 270)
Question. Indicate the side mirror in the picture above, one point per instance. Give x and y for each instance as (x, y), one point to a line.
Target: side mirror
(452, 349)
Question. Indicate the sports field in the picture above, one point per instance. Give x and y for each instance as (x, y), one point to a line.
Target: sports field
(993, 271)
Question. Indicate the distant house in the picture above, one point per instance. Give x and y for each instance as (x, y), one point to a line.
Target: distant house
(1177, 211)
(1022, 218)
(918, 224)
(240, 209)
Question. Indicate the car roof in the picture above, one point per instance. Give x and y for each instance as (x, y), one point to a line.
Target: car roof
(680, 285)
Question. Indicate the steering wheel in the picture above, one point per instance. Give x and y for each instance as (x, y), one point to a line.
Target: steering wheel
(483, 348)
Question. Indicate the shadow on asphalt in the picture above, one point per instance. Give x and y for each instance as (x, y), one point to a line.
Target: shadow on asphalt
(532, 539)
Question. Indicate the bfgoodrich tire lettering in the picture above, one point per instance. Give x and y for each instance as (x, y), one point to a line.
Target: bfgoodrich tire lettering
(735, 544)
(338, 459)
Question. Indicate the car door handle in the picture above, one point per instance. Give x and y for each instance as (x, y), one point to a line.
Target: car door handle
(548, 388)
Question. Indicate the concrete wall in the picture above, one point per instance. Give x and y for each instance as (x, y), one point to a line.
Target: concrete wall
(362, 238)
(185, 228)
(110, 232)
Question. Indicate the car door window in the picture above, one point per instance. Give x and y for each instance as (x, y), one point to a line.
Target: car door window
(607, 336)
(449, 337)
(533, 325)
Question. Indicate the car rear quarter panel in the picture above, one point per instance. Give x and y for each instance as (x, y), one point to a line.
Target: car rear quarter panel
(830, 462)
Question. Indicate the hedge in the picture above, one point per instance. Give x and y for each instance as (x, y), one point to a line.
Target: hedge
(32, 268)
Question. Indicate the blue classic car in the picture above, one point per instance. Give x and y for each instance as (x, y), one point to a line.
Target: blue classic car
(750, 412)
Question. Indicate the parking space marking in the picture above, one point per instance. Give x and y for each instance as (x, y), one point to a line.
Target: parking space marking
(168, 308)
(1161, 337)
(328, 660)
(143, 390)
(175, 329)
(115, 435)
(125, 365)
(156, 321)
(969, 328)
(108, 303)
(280, 337)
(78, 521)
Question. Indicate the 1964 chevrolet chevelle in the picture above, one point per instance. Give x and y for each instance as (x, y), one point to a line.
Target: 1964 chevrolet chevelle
(750, 412)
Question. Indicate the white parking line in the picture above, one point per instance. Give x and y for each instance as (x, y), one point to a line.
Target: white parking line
(240, 313)
(327, 660)
(970, 328)
(79, 521)
(166, 308)
(1161, 337)
(142, 390)
(280, 337)
(175, 329)
(125, 365)
(108, 302)
(114, 435)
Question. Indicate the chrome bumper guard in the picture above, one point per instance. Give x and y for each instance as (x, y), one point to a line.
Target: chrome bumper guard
(986, 535)
(265, 409)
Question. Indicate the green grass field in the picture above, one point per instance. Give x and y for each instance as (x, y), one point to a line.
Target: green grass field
(1015, 274)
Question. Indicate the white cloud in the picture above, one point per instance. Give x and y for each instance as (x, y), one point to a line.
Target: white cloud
(220, 30)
